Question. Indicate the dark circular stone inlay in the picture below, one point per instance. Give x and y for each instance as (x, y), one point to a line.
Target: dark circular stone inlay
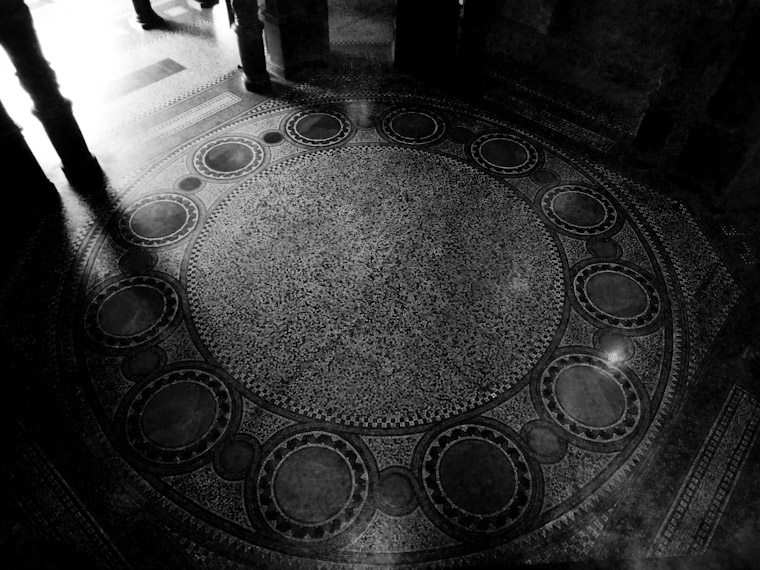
(616, 346)
(545, 442)
(312, 485)
(590, 396)
(616, 294)
(190, 183)
(477, 476)
(603, 247)
(237, 456)
(138, 261)
(158, 219)
(131, 311)
(229, 157)
(318, 126)
(272, 137)
(460, 135)
(396, 491)
(504, 153)
(179, 415)
(579, 209)
(145, 362)
(544, 177)
(413, 125)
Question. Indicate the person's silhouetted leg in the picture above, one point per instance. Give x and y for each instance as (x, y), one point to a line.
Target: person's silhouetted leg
(146, 17)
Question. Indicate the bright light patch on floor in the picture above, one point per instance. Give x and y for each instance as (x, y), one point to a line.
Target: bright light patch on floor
(176, 11)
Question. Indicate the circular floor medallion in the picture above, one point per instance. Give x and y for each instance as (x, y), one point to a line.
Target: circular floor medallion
(178, 416)
(617, 295)
(318, 127)
(367, 305)
(131, 311)
(543, 441)
(158, 220)
(504, 153)
(413, 126)
(143, 363)
(189, 183)
(235, 458)
(617, 347)
(590, 398)
(579, 209)
(229, 157)
(312, 486)
(396, 493)
(477, 478)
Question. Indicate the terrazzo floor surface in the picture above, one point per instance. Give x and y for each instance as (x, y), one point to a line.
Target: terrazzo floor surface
(365, 324)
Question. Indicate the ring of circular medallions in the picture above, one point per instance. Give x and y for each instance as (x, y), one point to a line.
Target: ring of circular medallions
(312, 487)
(478, 479)
(579, 210)
(317, 127)
(506, 154)
(598, 404)
(158, 220)
(128, 312)
(227, 158)
(174, 421)
(617, 294)
(413, 126)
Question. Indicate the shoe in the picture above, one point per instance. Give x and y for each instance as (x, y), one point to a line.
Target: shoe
(152, 22)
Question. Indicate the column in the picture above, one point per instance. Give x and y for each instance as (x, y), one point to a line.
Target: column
(685, 85)
(297, 35)
(425, 38)
(477, 20)
(18, 37)
(722, 151)
(249, 28)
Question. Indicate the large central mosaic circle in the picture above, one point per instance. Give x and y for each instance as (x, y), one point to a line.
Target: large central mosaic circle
(390, 300)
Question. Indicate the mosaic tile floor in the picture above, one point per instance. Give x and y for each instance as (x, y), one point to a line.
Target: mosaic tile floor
(362, 324)
(372, 326)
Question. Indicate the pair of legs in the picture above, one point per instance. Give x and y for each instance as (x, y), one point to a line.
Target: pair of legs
(149, 20)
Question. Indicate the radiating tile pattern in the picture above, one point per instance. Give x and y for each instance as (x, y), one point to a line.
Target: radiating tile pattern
(387, 327)
(705, 492)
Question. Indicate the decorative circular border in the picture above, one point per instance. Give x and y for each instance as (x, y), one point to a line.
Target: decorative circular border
(461, 519)
(386, 126)
(517, 375)
(199, 159)
(614, 433)
(288, 527)
(171, 456)
(648, 316)
(531, 162)
(169, 314)
(129, 235)
(610, 212)
(292, 132)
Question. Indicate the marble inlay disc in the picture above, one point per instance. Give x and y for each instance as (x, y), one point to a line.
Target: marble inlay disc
(590, 396)
(131, 311)
(179, 415)
(389, 300)
(477, 476)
